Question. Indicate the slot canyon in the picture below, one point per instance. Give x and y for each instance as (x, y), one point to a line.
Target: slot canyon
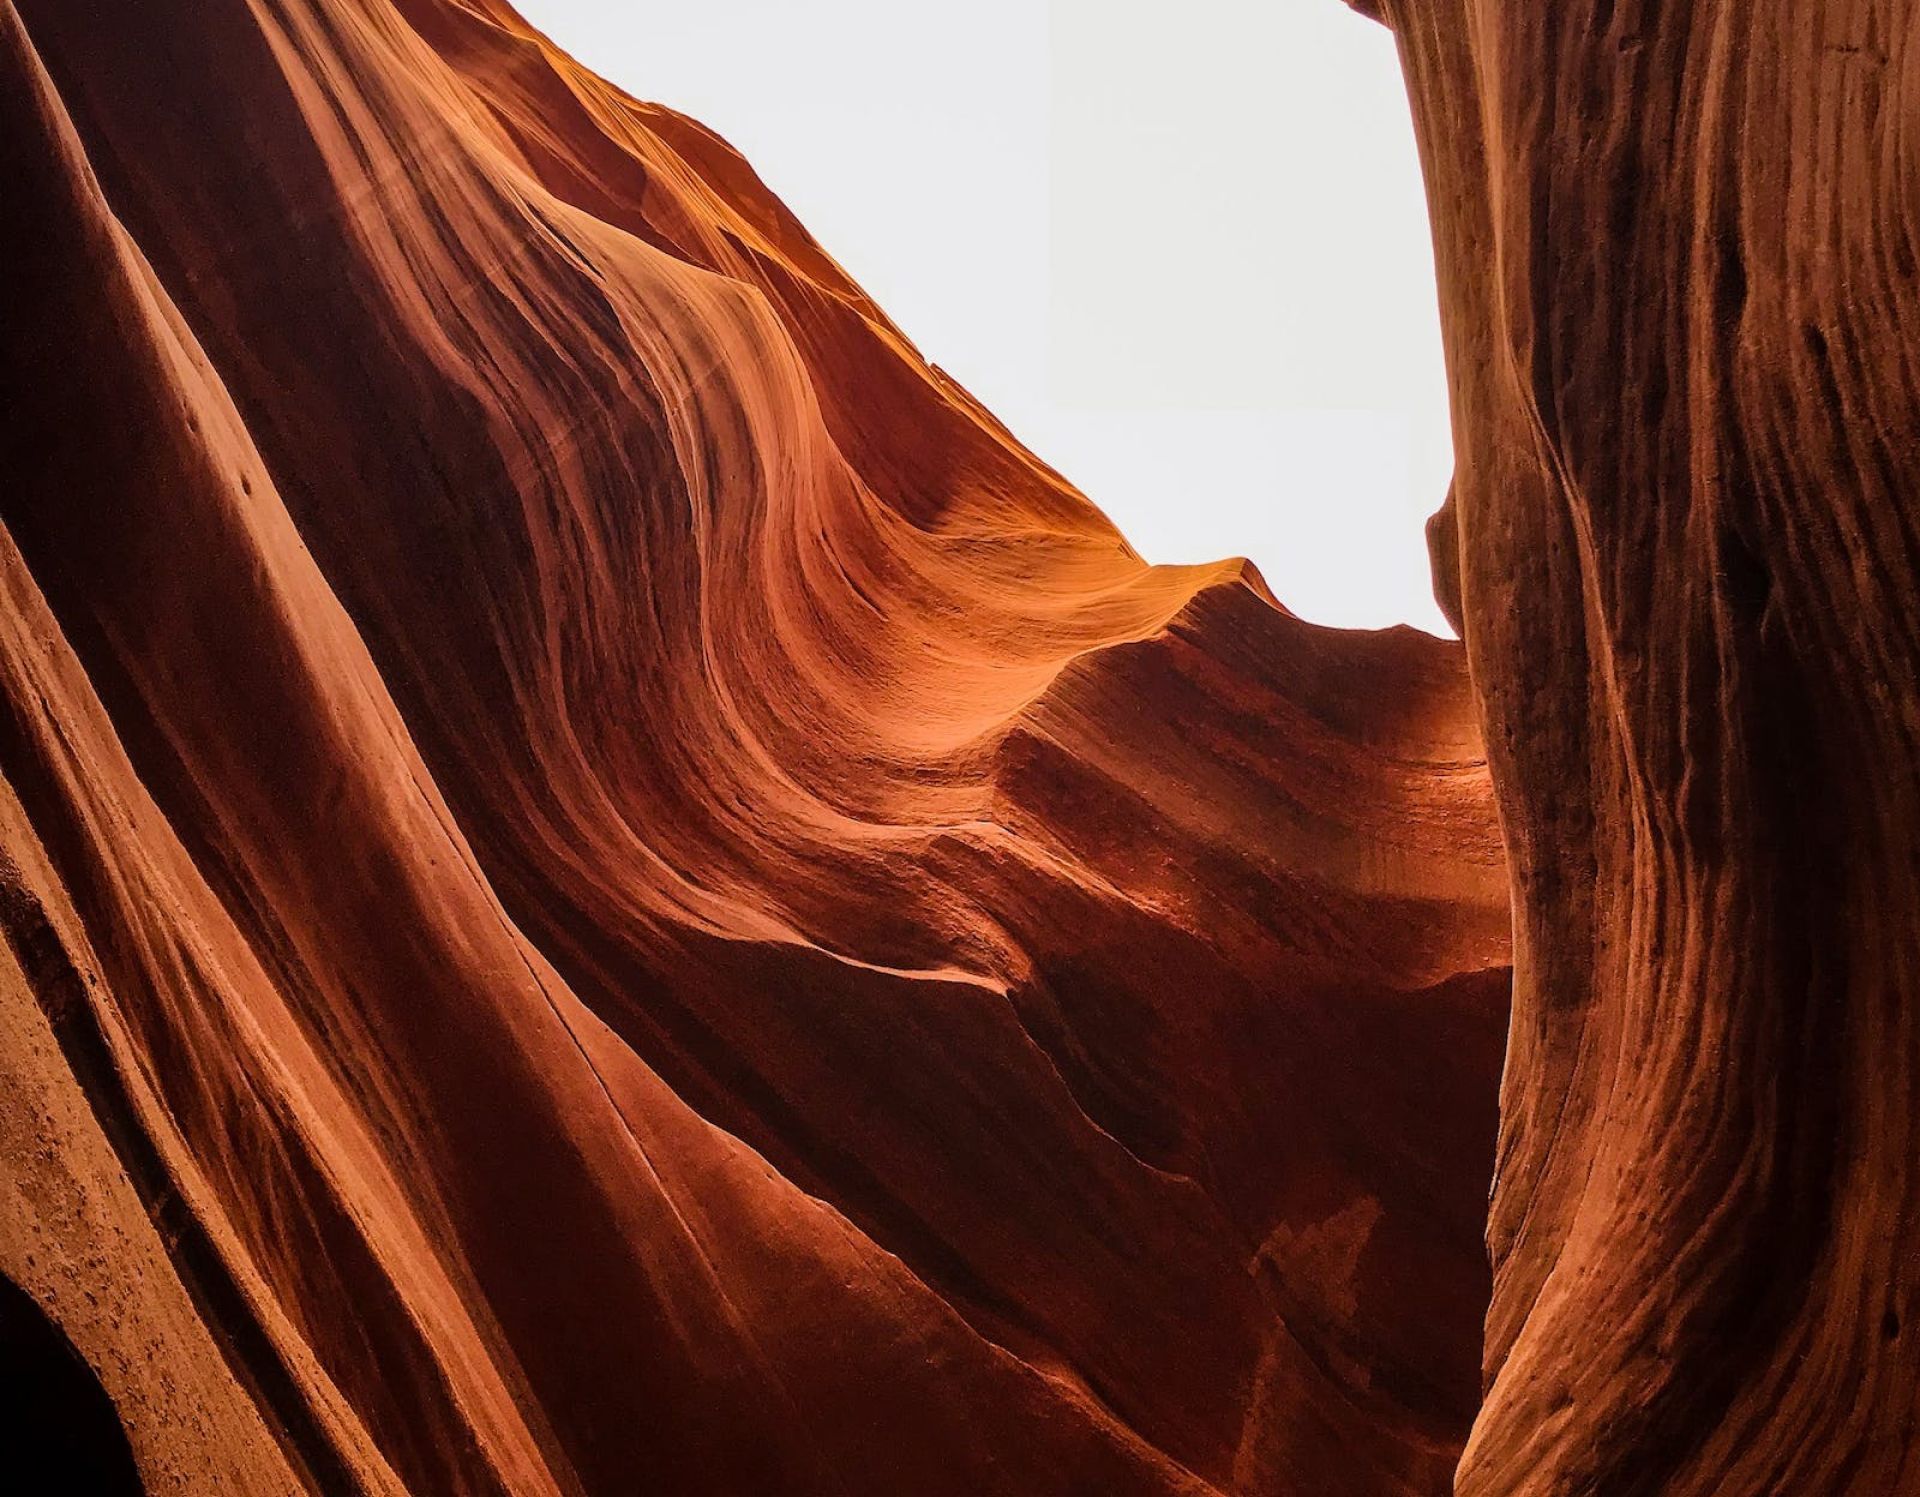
(608, 888)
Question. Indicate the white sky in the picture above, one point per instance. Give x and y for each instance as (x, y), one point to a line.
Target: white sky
(1180, 249)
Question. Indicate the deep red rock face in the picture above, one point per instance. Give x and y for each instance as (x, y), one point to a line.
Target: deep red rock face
(608, 888)
(1677, 250)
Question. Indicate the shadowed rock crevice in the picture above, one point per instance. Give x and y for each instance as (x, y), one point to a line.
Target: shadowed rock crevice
(58, 1428)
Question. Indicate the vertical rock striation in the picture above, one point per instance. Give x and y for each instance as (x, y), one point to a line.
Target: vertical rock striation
(1677, 256)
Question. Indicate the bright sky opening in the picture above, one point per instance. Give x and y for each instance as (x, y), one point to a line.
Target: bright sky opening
(1182, 251)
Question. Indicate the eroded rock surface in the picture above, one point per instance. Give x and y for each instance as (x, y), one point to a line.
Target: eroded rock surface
(1677, 251)
(608, 888)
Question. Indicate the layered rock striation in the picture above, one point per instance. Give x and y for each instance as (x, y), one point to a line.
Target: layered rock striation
(1676, 248)
(607, 887)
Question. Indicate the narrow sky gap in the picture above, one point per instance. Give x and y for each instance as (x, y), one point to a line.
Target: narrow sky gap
(1184, 254)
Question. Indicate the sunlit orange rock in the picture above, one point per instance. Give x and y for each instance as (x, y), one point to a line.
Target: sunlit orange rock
(608, 888)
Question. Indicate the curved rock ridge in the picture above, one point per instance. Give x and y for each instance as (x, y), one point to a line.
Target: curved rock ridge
(1677, 249)
(608, 888)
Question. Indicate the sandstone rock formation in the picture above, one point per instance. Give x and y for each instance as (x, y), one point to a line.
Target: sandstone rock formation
(1677, 251)
(607, 888)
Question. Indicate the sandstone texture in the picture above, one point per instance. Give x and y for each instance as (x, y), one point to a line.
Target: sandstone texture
(607, 888)
(1676, 246)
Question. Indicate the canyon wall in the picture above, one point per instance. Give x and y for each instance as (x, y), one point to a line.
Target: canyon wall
(1677, 257)
(608, 888)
